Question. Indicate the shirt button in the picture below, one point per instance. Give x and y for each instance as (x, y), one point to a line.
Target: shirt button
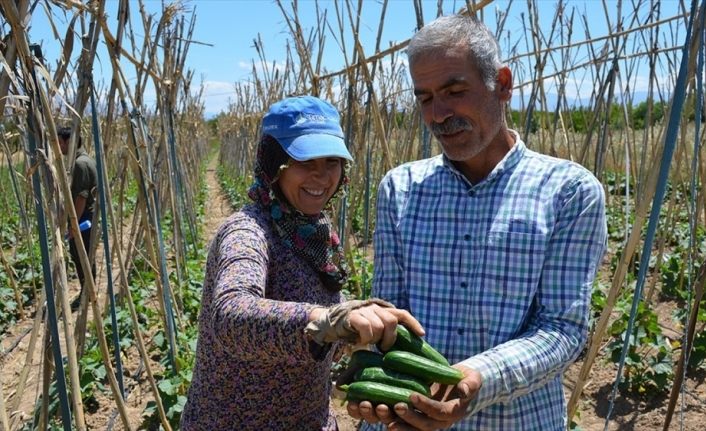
(471, 192)
(460, 331)
(467, 237)
(464, 284)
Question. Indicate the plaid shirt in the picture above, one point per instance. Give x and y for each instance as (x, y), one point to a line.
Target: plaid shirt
(499, 273)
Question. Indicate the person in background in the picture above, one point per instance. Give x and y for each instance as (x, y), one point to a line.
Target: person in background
(272, 309)
(491, 246)
(84, 178)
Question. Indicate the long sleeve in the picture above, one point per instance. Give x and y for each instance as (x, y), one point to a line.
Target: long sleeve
(557, 330)
(388, 280)
(255, 304)
(243, 320)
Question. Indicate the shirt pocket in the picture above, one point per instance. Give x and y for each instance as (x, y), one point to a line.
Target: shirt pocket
(510, 272)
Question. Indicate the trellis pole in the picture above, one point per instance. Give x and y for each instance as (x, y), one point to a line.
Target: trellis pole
(669, 146)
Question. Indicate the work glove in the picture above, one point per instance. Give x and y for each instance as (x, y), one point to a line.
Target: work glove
(334, 324)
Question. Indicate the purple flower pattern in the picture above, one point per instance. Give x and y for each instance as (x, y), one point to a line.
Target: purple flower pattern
(254, 368)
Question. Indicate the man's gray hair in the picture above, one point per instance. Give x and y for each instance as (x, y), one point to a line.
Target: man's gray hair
(459, 30)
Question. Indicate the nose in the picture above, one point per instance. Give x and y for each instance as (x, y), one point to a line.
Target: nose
(318, 170)
(440, 110)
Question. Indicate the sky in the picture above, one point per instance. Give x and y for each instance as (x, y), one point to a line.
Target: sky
(226, 29)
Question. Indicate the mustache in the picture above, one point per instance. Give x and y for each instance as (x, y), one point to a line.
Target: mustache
(450, 125)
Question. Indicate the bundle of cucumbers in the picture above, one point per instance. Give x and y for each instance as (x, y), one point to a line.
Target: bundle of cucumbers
(411, 365)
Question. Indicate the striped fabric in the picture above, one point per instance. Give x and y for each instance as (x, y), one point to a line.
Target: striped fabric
(499, 274)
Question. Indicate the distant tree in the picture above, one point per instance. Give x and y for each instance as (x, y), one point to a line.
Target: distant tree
(616, 117)
(639, 114)
(519, 119)
(213, 125)
(578, 119)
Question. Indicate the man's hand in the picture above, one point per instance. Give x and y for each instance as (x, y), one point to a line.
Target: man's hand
(447, 405)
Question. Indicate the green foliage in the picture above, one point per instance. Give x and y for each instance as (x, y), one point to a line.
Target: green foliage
(9, 208)
(235, 187)
(213, 126)
(173, 387)
(26, 271)
(360, 281)
(639, 114)
(648, 365)
(357, 216)
(697, 358)
(671, 277)
(579, 119)
(92, 371)
(519, 120)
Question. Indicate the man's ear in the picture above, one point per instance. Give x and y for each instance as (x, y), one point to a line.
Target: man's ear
(503, 84)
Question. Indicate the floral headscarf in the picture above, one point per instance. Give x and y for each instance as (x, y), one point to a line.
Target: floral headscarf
(311, 237)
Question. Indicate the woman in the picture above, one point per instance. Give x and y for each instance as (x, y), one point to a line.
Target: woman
(271, 307)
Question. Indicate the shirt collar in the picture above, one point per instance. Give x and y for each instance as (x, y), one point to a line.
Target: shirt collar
(508, 162)
(80, 152)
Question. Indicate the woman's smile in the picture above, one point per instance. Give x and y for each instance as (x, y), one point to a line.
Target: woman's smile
(308, 185)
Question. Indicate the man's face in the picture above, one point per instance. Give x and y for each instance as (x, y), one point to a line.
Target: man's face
(462, 113)
(64, 145)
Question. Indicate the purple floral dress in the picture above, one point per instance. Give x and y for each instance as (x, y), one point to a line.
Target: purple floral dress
(254, 369)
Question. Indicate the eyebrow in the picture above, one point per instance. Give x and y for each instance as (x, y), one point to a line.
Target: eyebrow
(449, 83)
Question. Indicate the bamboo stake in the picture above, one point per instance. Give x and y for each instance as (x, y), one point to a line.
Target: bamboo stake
(595, 341)
(4, 421)
(46, 382)
(24, 374)
(89, 286)
(691, 330)
(133, 314)
(10, 56)
(395, 48)
(11, 275)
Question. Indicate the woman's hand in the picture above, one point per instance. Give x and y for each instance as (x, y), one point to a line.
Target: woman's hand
(375, 324)
(370, 321)
(447, 405)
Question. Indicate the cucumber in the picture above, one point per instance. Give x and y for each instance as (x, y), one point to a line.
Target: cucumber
(424, 368)
(392, 378)
(364, 359)
(411, 342)
(377, 393)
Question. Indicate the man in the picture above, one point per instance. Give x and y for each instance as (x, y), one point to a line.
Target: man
(491, 246)
(83, 181)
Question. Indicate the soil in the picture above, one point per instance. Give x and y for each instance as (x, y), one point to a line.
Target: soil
(629, 412)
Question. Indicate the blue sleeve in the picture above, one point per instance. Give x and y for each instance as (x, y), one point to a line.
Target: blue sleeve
(388, 280)
(557, 332)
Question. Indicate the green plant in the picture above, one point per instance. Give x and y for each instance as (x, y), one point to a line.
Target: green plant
(360, 281)
(235, 187)
(648, 364)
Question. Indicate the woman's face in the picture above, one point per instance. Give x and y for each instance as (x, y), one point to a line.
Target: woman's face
(310, 184)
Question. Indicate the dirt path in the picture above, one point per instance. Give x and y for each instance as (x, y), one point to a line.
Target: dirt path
(218, 207)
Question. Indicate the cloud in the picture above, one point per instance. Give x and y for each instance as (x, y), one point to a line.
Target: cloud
(260, 67)
(216, 96)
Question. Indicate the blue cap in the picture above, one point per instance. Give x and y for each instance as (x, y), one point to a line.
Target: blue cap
(307, 128)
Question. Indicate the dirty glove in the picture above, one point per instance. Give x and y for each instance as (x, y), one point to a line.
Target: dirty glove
(334, 324)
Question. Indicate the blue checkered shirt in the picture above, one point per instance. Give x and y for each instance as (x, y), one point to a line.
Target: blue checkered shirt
(499, 273)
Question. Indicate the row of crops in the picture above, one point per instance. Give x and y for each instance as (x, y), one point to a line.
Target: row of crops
(125, 360)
